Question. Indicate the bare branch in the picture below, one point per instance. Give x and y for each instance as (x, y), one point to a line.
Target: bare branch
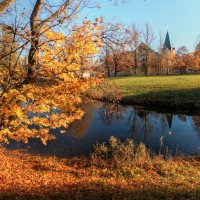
(5, 4)
(59, 11)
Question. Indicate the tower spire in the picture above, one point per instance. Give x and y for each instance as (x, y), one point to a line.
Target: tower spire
(167, 44)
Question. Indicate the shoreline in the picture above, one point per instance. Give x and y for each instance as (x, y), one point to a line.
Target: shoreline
(168, 107)
(188, 108)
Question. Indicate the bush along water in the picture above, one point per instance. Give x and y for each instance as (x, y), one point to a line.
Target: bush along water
(129, 159)
(120, 154)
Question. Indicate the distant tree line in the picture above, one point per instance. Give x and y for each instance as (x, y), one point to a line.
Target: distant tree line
(128, 51)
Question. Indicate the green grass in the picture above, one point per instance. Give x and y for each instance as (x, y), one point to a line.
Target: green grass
(181, 91)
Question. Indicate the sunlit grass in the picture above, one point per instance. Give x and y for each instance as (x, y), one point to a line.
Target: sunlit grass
(177, 90)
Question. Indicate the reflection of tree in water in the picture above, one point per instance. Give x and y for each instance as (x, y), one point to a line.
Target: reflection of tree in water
(144, 116)
(109, 112)
(139, 118)
(161, 120)
(145, 122)
(182, 118)
(80, 127)
(133, 120)
(196, 120)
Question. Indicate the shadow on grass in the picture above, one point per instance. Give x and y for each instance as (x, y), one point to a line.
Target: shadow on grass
(97, 190)
(187, 100)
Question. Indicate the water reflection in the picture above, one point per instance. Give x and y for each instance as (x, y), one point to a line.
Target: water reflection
(179, 133)
(110, 112)
(196, 120)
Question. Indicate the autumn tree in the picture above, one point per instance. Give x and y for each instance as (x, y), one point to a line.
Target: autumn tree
(169, 61)
(106, 59)
(134, 39)
(114, 50)
(161, 56)
(46, 92)
(197, 56)
(183, 59)
(153, 63)
(148, 38)
(109, 37)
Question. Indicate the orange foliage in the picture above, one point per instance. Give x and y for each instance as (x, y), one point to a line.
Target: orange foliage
(52, 99)
(197, 56)
(25, 176)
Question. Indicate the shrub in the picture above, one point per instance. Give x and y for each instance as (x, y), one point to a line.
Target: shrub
(120, 154)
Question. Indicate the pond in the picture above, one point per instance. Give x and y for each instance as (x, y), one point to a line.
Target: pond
(160, 132)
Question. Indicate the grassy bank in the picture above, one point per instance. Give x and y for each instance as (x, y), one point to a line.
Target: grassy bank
(161, 91)
(119, 171)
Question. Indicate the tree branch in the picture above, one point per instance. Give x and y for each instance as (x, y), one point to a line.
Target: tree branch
(55, 14)
(5, 4)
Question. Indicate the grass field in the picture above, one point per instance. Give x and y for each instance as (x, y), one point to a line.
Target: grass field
(169, 91)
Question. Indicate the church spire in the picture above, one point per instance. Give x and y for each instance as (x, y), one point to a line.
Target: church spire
(170, 120)
(167, 44)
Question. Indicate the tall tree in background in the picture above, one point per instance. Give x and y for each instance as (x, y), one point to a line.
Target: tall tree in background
(134, 37)
(114, 50)
(183, 60)
(148, 38)
(161, 56)
(197, 56)
(7, 44)
(117, 50)
(106, 59)
(170, 59)
(109, 37)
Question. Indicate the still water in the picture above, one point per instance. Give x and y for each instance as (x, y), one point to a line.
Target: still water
(161, 132)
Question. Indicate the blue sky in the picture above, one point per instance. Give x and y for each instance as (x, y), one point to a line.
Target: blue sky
(181, 16)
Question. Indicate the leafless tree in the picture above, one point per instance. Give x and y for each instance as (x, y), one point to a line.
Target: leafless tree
(114, 46)
(148, 38)
(134, 36)
(161, 53)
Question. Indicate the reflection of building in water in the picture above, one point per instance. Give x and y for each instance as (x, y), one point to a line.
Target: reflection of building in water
(170, 121)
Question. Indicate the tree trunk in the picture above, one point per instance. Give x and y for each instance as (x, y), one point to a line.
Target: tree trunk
(135, 61)
(36, 25)
(116, 67)
(35, 28)
(107, 66)
(108, 70)
(146, 63)
(115, 73)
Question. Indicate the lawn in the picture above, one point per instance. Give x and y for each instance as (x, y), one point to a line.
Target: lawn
(167, 91)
